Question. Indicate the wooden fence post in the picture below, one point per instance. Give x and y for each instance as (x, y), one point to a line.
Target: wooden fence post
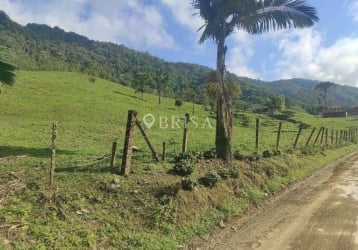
(318, 135)
(164, 155)
(53, 154)
(128, 143)
(326, 136)
(322, 134)
(147, 140)
(310, 137)
(185, 134)
(336, 136)
(297, 137)
(257, 134)
(332, 134)
(114, 152)
(278, 136)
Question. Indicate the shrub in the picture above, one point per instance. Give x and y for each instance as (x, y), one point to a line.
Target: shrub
(254, 157)
(178, 102)
(237, 155)
(187, 184)
(276, 152)
(184, 164)
(266, 154)
(184, 167)
(210, 179)
(228, 173)
(210, 154)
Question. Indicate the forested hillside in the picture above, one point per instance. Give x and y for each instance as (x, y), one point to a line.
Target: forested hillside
(40, 47)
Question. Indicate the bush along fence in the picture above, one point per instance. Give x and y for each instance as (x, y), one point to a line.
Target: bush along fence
(321, 137)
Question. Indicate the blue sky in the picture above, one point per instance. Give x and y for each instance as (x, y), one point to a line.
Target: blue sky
(167, 28)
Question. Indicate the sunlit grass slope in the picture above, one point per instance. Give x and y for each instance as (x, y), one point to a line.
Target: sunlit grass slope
(92, 115)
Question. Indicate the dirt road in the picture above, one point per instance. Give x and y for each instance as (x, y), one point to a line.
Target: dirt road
(318, 213)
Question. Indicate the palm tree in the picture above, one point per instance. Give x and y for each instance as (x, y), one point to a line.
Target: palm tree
(7, 70)
(324, 86)
(255, 17)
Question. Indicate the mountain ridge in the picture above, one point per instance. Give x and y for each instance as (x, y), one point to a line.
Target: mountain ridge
(41, 47)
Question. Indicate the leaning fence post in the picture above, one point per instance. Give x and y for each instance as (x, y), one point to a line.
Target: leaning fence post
(128, 143)
(322, 134)
(53, 154)
(319, 133)
(257, 134)
(310, 137)
(185, 134)
(113, 156)
(278, 136)
(326, 136)
(297, 137)
(150, 145)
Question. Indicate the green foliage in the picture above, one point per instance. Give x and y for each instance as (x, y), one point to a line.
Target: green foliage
(142, 81)
(237, 155)
(187, 184)
(7, 69)
(210, 179)
(226, 173)
(184, 164)
(164, 215)
(267, 154)
(53, 49)
(275, 104)
(209, 154)
(178, 103)
(252, 194)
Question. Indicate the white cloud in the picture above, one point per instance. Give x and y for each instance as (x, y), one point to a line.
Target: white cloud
(304, 55)
(131, 22)
(353, 10)
(184, 14)
(240, 55)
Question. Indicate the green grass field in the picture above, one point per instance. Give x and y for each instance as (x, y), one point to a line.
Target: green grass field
(89, 211)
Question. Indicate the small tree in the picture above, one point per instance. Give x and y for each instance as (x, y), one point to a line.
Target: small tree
(275, 104)
(324, 87)
(142, 81)
(161, 82)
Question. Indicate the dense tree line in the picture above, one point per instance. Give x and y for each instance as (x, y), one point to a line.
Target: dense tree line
(40, 47)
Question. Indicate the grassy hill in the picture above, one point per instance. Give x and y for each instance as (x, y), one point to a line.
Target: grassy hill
(84, 110)
(93, 207)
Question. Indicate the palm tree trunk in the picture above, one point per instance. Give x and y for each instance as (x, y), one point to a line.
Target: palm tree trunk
(223, 139)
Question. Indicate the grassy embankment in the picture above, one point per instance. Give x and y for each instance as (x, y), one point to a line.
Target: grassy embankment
(97, 208)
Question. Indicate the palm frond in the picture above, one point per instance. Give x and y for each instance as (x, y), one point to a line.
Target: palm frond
(7, 69)
(7, 73)
(277, 15)
(255, 17)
